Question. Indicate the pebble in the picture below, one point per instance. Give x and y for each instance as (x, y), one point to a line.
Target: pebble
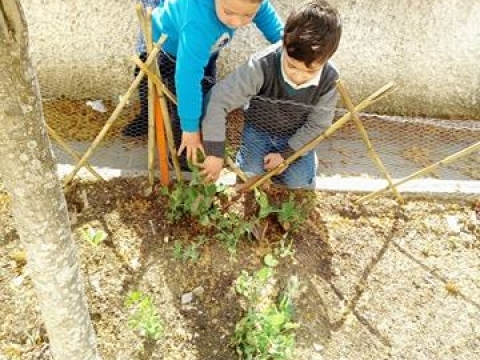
(187, 298)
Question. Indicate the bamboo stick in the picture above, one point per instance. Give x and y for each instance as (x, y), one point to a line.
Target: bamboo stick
(156, 80)
(146, 31)
(162, 102)
(141, 20)
(237, 170)
(163, 90)
(166, 124)
(72, 153)
(371, 151)
(376, 96)
(426, 170)
(116, 112)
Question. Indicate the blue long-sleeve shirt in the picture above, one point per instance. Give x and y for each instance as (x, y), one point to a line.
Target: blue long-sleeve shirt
(194, 34)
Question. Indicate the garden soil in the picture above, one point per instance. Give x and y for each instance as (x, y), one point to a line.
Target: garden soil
(379, 281)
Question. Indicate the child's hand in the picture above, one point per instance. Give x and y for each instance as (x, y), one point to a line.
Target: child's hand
(192, 142)
(211, 168)
(272, 160)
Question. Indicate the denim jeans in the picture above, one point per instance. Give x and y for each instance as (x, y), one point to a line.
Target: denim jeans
(256, 144)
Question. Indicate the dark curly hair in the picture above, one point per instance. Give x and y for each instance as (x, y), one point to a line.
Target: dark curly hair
(312, 32)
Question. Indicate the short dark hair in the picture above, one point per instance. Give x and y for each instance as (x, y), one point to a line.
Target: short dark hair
(312, 32)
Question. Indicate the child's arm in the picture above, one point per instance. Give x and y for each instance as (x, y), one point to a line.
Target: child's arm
(193, 54)
(269, 23)
(231, 93)
(318, 121)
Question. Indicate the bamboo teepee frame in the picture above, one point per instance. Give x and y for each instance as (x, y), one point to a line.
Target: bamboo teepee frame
(114, 116)
(163, 128)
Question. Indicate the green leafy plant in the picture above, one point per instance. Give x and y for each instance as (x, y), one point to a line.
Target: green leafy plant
(93, 236)
(270, 261)
(207, 204)
(265, 207)
(195, 199)
(231, 228)
(291, 215)
(188, 253)
(284, 249)
(266, 332)
(144, 317)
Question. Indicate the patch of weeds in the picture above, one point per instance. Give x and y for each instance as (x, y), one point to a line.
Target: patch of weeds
(291, 214)
(285, 249)
(267, 330)
(194, 198)
(187, 253)
(93, 236)
(144, 317)
(231, 229)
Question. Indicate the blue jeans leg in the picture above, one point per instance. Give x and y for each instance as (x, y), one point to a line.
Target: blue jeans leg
(256, 144)
(300, 174)
(253, 148)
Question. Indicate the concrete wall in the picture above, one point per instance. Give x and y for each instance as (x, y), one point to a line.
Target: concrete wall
(431, 48)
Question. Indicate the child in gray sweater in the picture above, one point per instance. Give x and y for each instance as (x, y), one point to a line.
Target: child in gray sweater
(288, 91)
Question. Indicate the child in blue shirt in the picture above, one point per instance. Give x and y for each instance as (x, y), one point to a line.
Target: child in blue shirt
(197, 30)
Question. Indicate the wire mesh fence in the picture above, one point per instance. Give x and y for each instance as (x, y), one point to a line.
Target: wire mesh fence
(405, 145)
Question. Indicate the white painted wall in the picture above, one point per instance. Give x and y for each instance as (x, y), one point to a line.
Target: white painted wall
(431, 48)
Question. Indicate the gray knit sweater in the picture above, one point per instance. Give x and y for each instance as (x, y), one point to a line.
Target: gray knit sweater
(271, 104)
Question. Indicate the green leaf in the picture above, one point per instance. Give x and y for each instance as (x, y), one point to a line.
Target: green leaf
(277, 320)
(99, 237)
(264, 274)
(270, 261)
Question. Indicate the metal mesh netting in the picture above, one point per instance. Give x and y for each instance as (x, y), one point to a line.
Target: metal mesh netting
(405, 145)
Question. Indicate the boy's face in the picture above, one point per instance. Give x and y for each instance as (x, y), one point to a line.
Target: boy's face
(297, 71)
(236, 13)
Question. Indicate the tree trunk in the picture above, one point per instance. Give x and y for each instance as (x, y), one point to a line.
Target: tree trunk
(27, 169)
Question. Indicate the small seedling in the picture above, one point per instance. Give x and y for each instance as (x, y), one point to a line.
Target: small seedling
(186, 253)
(267, 330)
(284, 249)
(93, 236)
(144, 317)
(270, 261)
(265, 207)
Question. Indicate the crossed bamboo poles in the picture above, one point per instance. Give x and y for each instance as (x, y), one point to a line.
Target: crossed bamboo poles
(449, 159)
(159, 127)
(161, 124)
(352, 114)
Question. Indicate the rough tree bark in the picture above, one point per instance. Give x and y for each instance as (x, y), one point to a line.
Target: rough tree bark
(28, 171)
